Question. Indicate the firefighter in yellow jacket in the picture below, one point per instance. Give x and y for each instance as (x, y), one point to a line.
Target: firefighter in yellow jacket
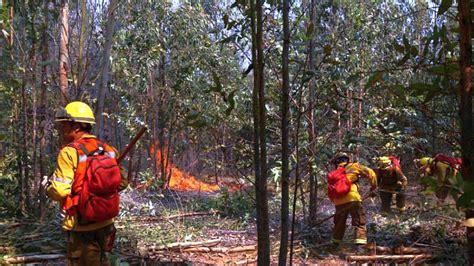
(442, 171)
(86, 243)
(391, 181)
(351, 203)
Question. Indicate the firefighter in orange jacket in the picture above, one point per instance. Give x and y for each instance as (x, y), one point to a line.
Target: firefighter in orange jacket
(86, 243)
(391, 181)
(351, 203)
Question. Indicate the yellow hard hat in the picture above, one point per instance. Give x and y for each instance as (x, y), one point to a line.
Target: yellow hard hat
(75, 112)
(383, 161)
(425, 161)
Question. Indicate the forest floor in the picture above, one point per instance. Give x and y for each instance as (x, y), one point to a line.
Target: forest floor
(185, 228)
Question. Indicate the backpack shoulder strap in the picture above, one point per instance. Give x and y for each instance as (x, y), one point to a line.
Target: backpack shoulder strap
(84, 147)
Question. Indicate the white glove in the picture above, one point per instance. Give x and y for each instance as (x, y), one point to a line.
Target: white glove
(45, 181)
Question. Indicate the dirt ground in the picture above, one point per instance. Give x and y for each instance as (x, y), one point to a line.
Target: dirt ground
(149, 234)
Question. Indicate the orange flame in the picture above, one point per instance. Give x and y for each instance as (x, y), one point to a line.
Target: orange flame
(180, 180)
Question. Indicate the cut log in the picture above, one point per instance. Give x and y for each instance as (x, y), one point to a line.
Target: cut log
(32, 258)
(190, 214)
(399, 250)
(183, 245)
(388, 257)
(161, 218)
(221, 249)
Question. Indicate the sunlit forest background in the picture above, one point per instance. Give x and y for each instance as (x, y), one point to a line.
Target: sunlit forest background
(227, 147)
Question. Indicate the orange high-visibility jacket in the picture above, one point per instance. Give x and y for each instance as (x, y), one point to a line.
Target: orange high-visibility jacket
(59, 190)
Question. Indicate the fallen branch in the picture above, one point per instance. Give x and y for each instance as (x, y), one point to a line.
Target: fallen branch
(400, 250)
(221, 249)
(180, 215)
(190, 214)
(6, 249)
(388, 257)
(31, 258)
(183, 245)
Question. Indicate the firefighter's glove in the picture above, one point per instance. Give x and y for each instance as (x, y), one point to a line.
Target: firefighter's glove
(45, 182)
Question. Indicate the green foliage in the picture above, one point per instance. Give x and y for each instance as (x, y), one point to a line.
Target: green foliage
(444, 6)
(233, 204)
(466, 201)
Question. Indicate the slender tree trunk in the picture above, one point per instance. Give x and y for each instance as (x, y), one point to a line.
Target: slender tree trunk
(260, 141)
(32, 62)
(80, 56)
(297, 178)
(11, 15)
(63, 51)
(284, 137)
(262, 199)
(465, 109)
(42, 108)
(313, 181)
(109, 33)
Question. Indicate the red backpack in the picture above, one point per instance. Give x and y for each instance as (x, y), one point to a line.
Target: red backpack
(338, 184)
(395, 161)
(96, 182)
(452, 161)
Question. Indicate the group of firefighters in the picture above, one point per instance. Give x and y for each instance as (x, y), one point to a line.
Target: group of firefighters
(88, 242)
(389, 180)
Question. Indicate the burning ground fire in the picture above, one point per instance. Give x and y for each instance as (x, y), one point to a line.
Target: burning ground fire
(180, 180)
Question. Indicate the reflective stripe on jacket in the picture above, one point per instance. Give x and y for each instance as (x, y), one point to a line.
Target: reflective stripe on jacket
(61, 181)
(353, 172)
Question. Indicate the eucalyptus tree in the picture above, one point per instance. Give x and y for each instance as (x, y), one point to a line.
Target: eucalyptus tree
(64, 63)
(465, 107)
(284, 136)
(174, 76)
(104, 79)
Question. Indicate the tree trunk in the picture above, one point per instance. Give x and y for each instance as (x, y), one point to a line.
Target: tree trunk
(80, 56)
(465, 109)
(109, 32)
(63, 51)
(260, 142)
(10, 16)
(42, 108)
(313, 181)
(284, 137)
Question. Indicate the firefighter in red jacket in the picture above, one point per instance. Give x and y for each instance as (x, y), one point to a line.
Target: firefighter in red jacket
(86, 243)
(391, 181)
(351, 203)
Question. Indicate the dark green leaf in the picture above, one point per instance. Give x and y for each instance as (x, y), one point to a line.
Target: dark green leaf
(430, 182)
(217, 83)
(404, 59)
(399, 48)
(445, 5)
(406, 43)
(467, 198)
(192, 115)
(430, 96)
(327, 49)
(226, 19)
(414, 50)
(374, 79)
(231, 101)
(352, 78)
